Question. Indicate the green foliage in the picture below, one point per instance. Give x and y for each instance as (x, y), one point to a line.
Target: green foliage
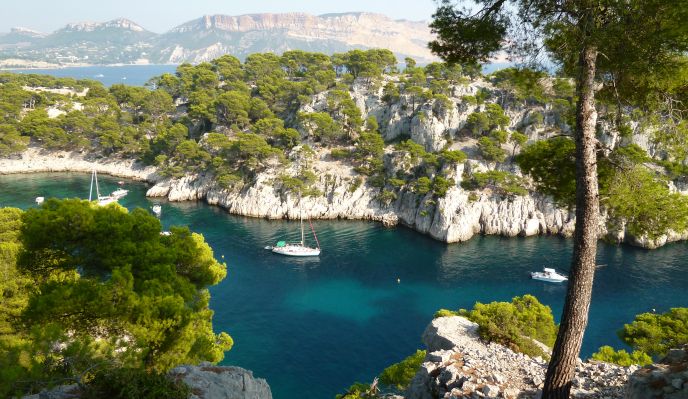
(518, 139)
(621, 357)
(525, 83)
(368, 153)
(491, 150)
(369, 64)
(551, 164)
(453, 157)
(128, 383)
(101, 286)
(445, 313)
(479, 123)
(357, 391)
(423, 185)
(11, 142)
(387, 197)
(515, 324)
(400, 374)
(655, 334)
(636, 195)
(321, 126)
(501, 182)
(440, 185)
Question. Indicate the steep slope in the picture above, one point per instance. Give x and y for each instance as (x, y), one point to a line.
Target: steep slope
(208, 37)
(212, 35)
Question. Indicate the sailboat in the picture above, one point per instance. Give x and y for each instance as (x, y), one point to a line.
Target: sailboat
(300, 248)
(104, 199)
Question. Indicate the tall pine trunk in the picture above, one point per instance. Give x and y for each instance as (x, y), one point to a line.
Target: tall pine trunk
(574, 319)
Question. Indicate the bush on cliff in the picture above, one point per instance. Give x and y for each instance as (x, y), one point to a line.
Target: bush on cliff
(513, 324)
(621, 357)
(400, 374)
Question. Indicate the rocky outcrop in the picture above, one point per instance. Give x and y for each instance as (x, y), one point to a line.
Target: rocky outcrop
(36, 160)
(459, 365)
(221, 382)
(205, 382)
(667, 379)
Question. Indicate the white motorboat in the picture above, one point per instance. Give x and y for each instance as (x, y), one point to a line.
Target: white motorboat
(40, 200)
(548, 274)
(157, 210)
(102, 199)
(300, 248)
(119, 193)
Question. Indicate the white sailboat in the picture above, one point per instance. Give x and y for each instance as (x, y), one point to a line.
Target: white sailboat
(300, 248)
(102, 199)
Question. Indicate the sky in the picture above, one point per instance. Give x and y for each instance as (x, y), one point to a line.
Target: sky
(161, 15)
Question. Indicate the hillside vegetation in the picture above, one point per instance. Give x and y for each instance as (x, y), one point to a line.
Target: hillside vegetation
(422, 130)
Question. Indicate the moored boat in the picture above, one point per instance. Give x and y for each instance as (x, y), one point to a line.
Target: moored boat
(549, 275)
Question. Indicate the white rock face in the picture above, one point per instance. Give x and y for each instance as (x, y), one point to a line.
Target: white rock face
(36, 160)
(454, 218)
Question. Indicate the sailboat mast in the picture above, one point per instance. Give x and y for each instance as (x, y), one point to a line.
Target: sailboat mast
(301, 217)
(90, 191)
(97, 189)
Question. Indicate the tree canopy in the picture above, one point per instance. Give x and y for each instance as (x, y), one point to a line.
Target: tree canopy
(108, 290)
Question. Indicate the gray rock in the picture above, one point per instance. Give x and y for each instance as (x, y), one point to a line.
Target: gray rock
(445, 333)
(222, 382)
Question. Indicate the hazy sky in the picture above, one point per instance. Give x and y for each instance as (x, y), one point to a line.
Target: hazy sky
(161, 15)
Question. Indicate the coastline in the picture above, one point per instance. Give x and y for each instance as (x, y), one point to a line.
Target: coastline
(52, 66)
(455, 218)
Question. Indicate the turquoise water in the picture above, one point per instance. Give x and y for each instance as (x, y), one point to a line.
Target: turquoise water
(132, 75)
(312, 327)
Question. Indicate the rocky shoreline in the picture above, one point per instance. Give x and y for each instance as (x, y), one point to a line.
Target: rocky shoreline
(455, 218)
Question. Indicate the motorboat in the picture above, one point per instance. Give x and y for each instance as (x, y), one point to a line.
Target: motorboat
(119, 193)
(548, 274)
(40, 200)
(157, 210)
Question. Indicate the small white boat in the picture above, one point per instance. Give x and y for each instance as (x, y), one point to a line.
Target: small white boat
(119, 193)
(549, 275)
(102, 199)
(157, 210)
(40, 200)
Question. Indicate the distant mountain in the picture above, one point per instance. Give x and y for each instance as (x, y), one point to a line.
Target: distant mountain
(208, 37)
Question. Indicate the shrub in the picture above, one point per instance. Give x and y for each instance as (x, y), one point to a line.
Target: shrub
(503, 183)
(126, 383)
(387, 197)
(441, 185)
(445, 313)
(491, 150)
(400, 374)
(340, 153)
(515, 324)
(655, 334)
(355, 184)
(621, 357)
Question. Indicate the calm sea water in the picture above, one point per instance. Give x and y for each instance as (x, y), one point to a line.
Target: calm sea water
(133, 75)
(312, 327)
